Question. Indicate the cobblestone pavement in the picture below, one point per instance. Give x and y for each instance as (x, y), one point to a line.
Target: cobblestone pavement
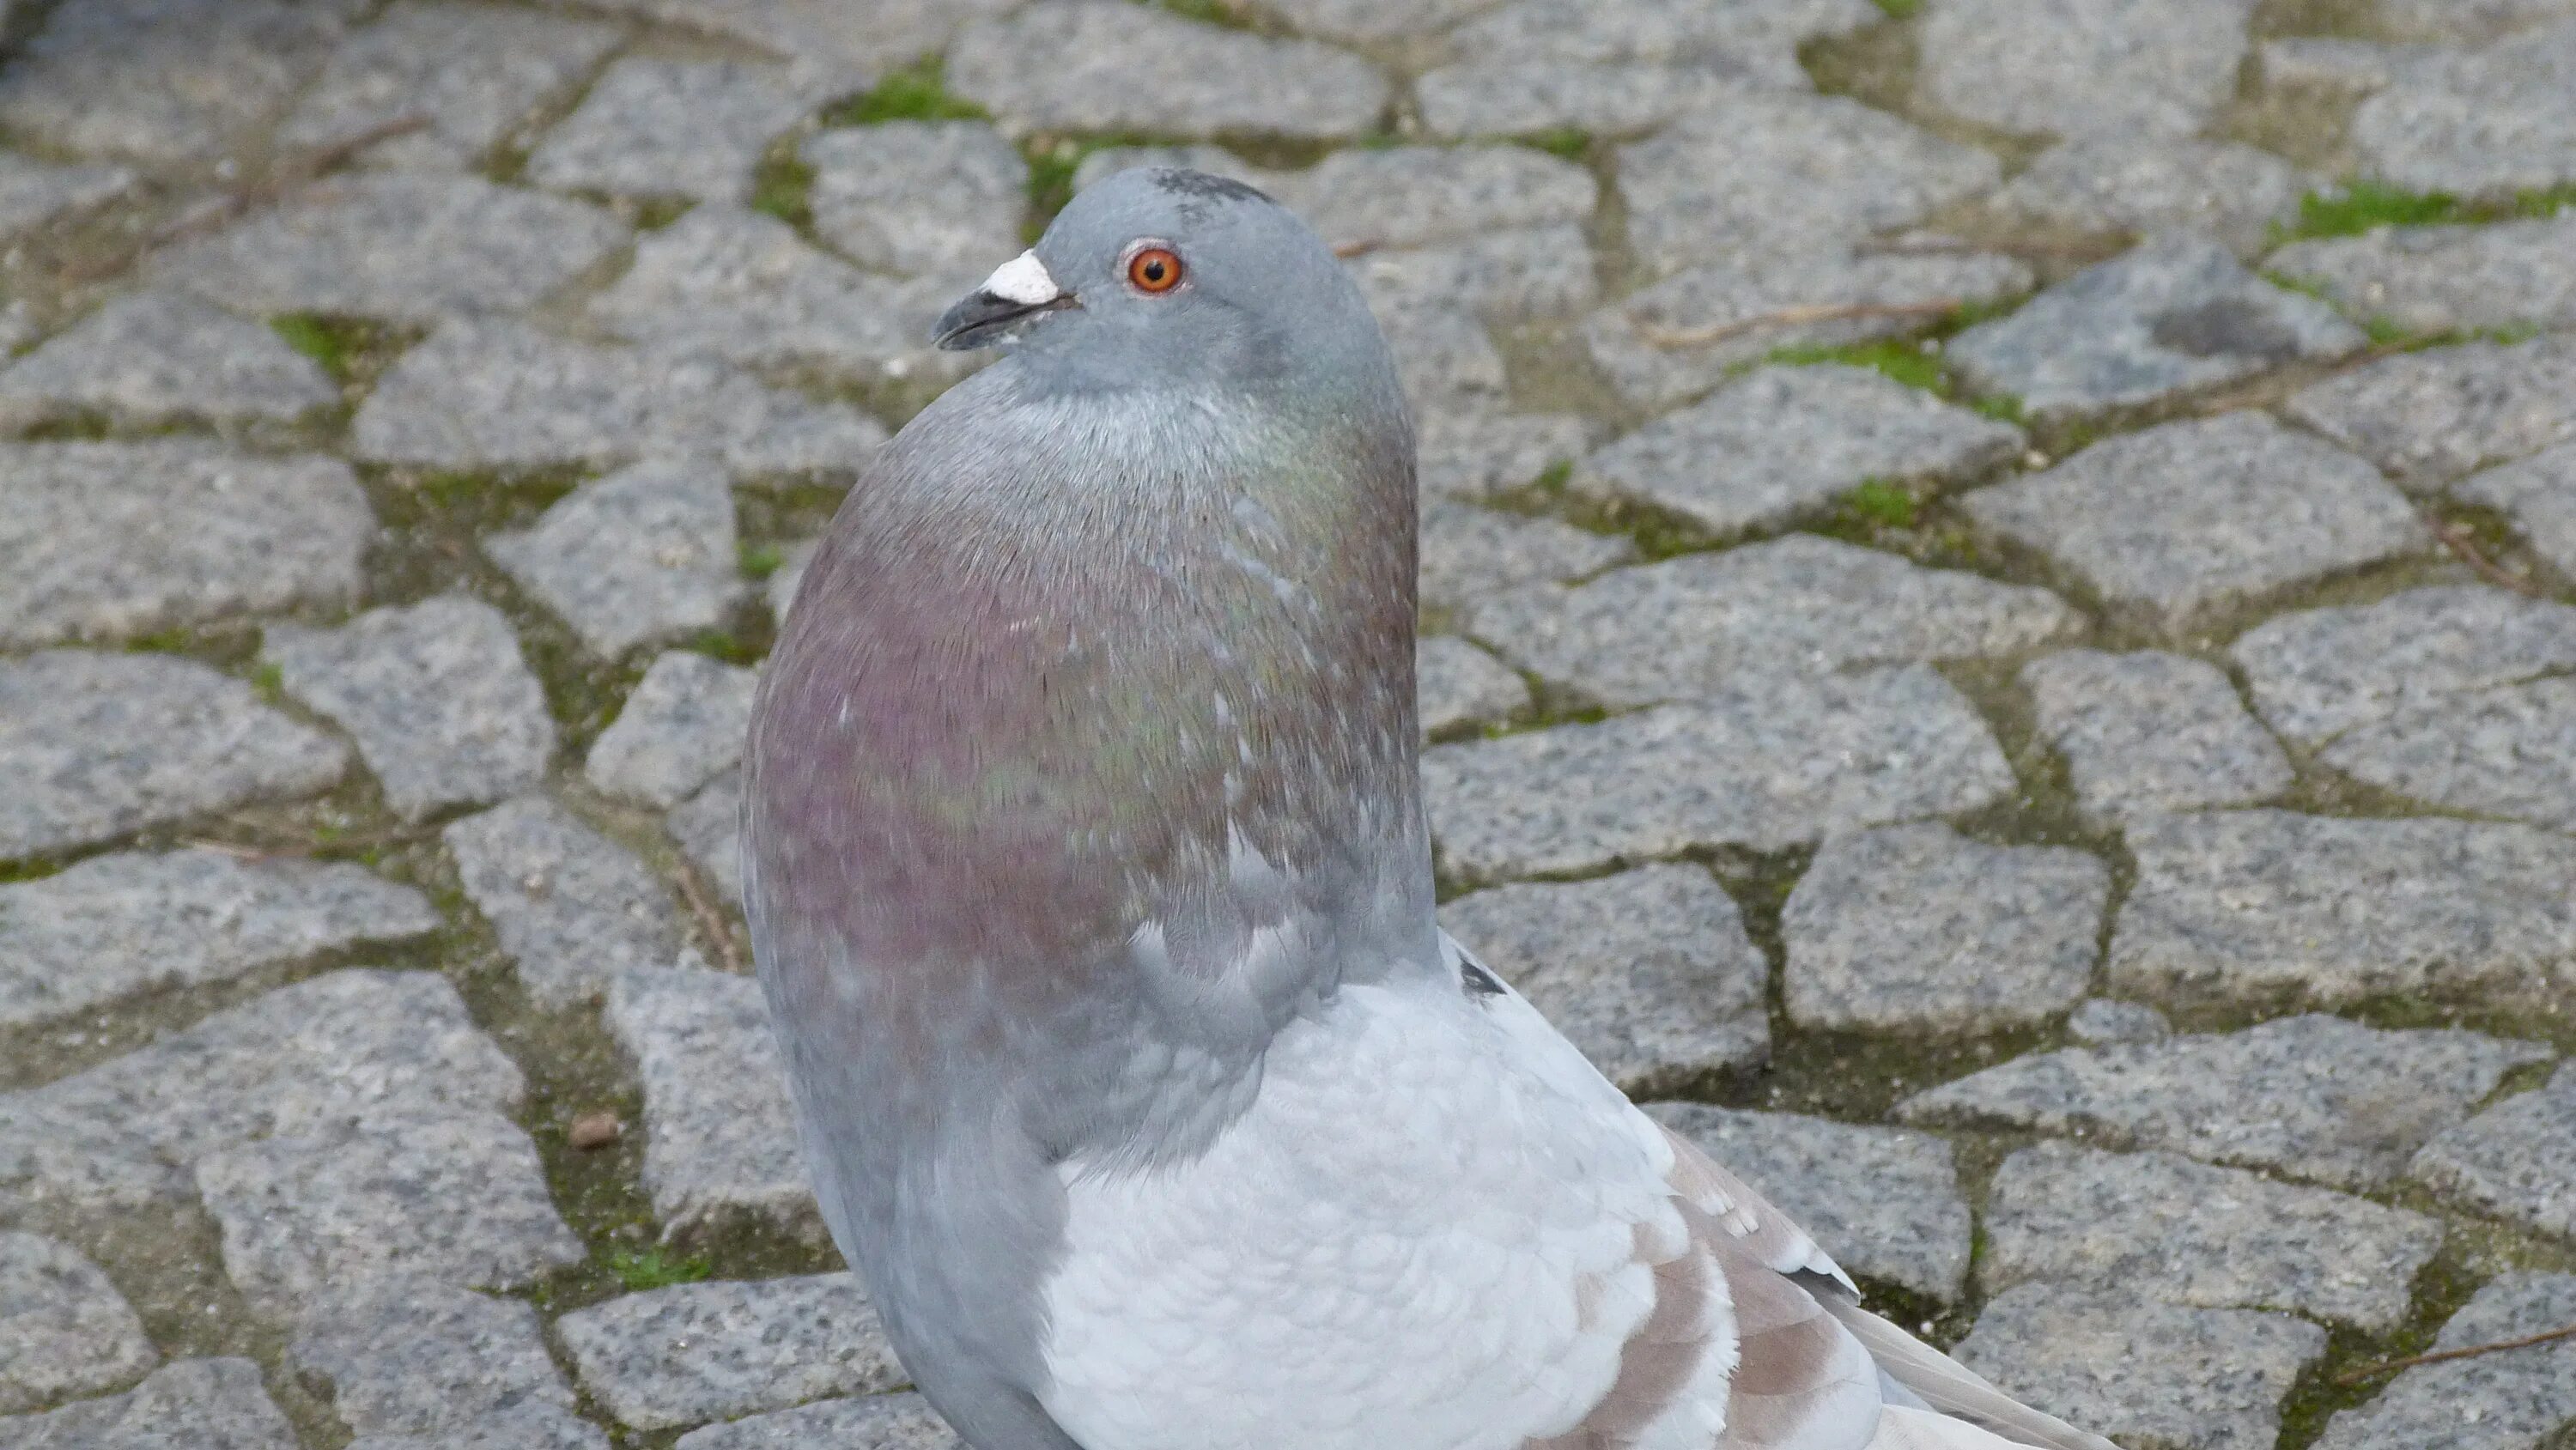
(2000, 584)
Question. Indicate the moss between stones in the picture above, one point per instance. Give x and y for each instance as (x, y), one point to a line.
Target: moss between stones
(917, 92)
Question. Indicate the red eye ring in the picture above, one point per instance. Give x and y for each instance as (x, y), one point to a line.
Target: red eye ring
(1154, 269)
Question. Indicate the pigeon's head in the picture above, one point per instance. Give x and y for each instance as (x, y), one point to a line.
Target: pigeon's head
(1156, 276)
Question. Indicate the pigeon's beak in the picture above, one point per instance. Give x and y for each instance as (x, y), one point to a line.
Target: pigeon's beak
(1018, 290)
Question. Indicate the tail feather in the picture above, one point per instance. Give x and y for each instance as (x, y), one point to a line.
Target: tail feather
(1953, 1390)
(1900, 1428)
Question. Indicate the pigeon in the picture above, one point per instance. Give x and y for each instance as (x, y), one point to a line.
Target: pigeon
(1092, 897)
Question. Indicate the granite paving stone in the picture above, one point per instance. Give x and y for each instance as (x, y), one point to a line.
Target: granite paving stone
(2131, 181)
(730, 281)
(1468, 552)
(719, 1132)
(2337, 65)
(1694, 330)
(110, 540)
(114, 926)
(397, 247)
(2538, 496)
(2512, 1400)
(1364, 20)
(682, 727)
(700, 1352)
(1786, 441)
(2179, 523)
(403, 1356)
(2448, 278)
(1649, 972)
(660, 127)
(2429, 417)
(645, 554)
(1765, 763)
(2074, 67)
(834, 37)
(164, 80)
(942, 198)
(1477, 453)
(343, 1197)
(437, 695)
(2516, 1161)
(2490, 120)
(1885, 1202)
(2149, 732)
(1773, 173)
(2097, 1020)
(154, 358)
(2181, 1232)
(64, 1329)
(33, 193)
(526, 1424)
(572, 908)
(1459, 684)
(708, 828)
(502, 395)
(1537, 97)
(899, 1421)
(94, 745)
(2319, 673)
(2314, 1097)
(1090, 65)
(2176, 314)
(780, 589)
(2159, 1375)
(2508, 752)
(1756, 38)
(1689, 625)
(475, 73)
(205, 1404)
(1415, 196)
(359, 1042)
(1511, 275)
(1919, 929)
(1444, 357)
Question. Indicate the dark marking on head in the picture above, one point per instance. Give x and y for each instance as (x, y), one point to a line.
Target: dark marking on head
(1198, 188)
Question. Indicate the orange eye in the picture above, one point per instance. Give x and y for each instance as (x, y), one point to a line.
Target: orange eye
(1154, 269)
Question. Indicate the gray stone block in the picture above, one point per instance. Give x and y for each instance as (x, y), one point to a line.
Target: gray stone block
(683, 726)
(2074, 67)
(899, 1421)
(1535, 97)
(1788, 441)
(2097, 1020)
(164, 80)
(2516, 1161)
(2507, 752)
(781, 588)
(2147, 733)
(942, 198)
(1364, 20)
(572, 908)
(2315, 1097)
(501, 395)
(708, 828)
(1458, 684)
(204, 1404)
(1474, 453)
(1918, 929)
(1649, 972)
(93, 746)
(1503, 276)
(1885, 1202)
(719, 1132)
(1419, 196)
(657, 127)
(2176, 314)
(2429, 417)
(399, 246)
(2513, 1400)
(1689, 626)
(2136, 182)
(114, 926)
(523, 1425)
(700, 1352)
(1761, 763)
(642, 556)
(406, 1356)
(1086, 65)
(2157, 1375)
(1757, 38)
(835, 37)
(2178, 1232)
(64, 1330)
(2185, 521)
(2320, 673)
(1469, 552)
(474, 72)
(2446, 279)
(149, 359)
(2539, 495)
(33, 193)
(2491, 121)
(111, 540)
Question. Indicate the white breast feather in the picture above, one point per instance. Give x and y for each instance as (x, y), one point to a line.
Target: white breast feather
(1421, 1235)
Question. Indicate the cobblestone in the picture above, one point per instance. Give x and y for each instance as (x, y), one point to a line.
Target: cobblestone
(2075, 67)
(2147, 733)
(93, 746)
(33, 193)
(1088, 65)
(900, 1421)
(653, 127)
(2508, 1401)
(2507, 752)
(216, 1403)
(525, 1425)
(572, 908)
(913, 197)
(1650, 972)
(2539, 495)
(719, 1133)
(641, 556)
(699, 1352)
(1469, 552)
(113, 540)
(1919, 929)
(1885, 1202)
(1459, 684)
(2489, 121)
(683, 726)
(1679, 629)
(2319, 673)
(65, 1330)
(2429, 417)
(708, 828)
(399, 1357)
(114, 926)
(475, 73)
(164, 80)
(150, 359)
(2446, 279)
(2139, 182)
(2516, 1161)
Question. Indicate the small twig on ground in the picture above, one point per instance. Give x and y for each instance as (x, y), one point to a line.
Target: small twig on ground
(399, 836)
(711, 922)
(2095, 250)
(2465, 547)
(2374, 1371)
(228, 206)
(1347, 250)
(1662, 336)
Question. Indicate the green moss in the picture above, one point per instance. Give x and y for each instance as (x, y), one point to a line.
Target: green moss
(725, 645)
(918, 92)
(782, 185)
(315, 338)
(1900, 9)
(1905, 362)
(759, 561)
(1882, 502)
(350, 349)
(1228, 13)
(2002, 407)
(1565, 141)
(270, 681)
(644, 1269)
(2365, 205)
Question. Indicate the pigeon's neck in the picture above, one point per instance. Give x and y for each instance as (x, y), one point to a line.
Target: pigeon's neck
(1102, 733)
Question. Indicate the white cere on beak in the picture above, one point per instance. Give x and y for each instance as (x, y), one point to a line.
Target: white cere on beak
(1024, 280)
